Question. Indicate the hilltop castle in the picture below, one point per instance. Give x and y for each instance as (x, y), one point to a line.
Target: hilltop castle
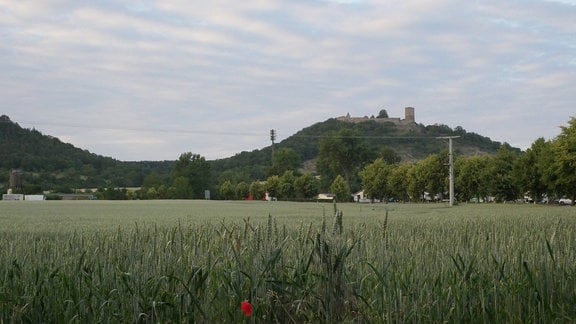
(409, 118)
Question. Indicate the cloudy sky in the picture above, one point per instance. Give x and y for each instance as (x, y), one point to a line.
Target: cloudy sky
(149, 80)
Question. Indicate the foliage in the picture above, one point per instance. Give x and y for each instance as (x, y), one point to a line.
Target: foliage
(285, 159)
(257, 190)
(530, 169)
(196, 171)
(375, 179)
(273, 186)
(565, 162)
(502, 185)
(472, 177)
(343, 153)
(306, 186)
(484, 169)
(47, 162)
(382, 114)
(339, 187)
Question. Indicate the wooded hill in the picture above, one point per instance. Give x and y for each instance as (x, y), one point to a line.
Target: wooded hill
(410, 142)
(49, 164)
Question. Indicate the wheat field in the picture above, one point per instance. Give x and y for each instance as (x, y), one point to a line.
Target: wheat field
(197, 261)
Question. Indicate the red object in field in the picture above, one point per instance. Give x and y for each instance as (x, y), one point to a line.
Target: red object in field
(246, 308)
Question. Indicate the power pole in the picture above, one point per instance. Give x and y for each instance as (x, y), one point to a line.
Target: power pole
(272, 138)
(451, 167)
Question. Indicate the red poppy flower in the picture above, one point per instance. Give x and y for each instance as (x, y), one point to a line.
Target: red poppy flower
(246, 308)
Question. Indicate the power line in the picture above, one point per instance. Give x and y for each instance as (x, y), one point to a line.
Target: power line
(375, 137)
(136, 129)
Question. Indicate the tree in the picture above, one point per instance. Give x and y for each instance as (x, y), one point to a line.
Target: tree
(382, 114)
(565, 163)
(306, 186)
(273, 186)
(398, 182)
(529, 170)
(340, 188)
(285, 159)
(416, 182)
(343, 153)
(226, 190)
(180, 188)
(390, 156)
(286, 188)
(152, 180)
(242, 190)
(375, 179)
(257, 190)
(502, 185)
(196, 170)
(472, 178)
(435, 174)
(151, 193)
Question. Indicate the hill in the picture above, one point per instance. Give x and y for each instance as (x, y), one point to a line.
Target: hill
(409, 140)
(49, 164)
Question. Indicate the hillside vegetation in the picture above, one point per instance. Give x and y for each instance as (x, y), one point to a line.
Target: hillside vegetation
(47, 163)
(410, 142)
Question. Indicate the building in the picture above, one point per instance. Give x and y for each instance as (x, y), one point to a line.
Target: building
(409, 118)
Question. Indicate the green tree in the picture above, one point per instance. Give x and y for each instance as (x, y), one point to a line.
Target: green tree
(286, 188)
(196, 170)
(285, 159)
(375, 179)
(152, 180)
(306, 186)
(162, 192)
(390, 156)
(180, 188)
(472, 178)
(502, 185)
(529, 170)
(398, 182)
(151, 193)
(382, 114)
(226, 190)
(565, 165)
(435, 174)
(341, 189)
(257, 190)
(416, 182)
(242, 190)
(273, 186)
(343, 153)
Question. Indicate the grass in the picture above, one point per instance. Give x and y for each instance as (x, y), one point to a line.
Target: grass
(195, 261)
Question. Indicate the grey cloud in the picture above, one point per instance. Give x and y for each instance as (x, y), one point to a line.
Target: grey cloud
(243, 67)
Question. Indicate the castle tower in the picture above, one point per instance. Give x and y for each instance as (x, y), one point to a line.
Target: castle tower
(409, 115)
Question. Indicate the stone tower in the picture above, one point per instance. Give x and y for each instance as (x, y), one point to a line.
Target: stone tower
(409, 115)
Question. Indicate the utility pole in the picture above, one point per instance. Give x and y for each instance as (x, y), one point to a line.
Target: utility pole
(272, 138)
(451, 167)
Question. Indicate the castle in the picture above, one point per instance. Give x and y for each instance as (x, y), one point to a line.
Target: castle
(409, 118)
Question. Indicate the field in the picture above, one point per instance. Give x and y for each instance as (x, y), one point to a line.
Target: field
(196, 261)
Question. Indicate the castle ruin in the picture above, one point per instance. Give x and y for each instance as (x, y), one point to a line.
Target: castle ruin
(409, 118)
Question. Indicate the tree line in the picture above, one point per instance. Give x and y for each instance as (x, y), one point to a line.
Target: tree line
(346, 161)
(545, 171)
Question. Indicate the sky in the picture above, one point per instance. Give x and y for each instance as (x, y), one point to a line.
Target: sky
(149, 80)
